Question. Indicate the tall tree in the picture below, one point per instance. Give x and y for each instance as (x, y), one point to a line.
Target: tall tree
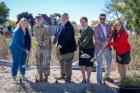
(56, 15)
(26, 15)
(29, 17)
(111, 11)
(129, 11)
(4, 12)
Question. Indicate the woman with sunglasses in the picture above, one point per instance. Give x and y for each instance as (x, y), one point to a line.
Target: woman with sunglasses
(20, 46)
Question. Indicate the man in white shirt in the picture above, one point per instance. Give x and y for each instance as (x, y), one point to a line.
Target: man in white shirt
(101, 32)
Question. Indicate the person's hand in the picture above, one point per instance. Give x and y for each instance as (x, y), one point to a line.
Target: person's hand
(106, 44)
(103, 50)
(57, 49)
(110, 35)
(77, 48)
(27, 52)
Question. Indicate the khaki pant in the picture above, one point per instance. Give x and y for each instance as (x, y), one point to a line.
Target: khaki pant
(61, 62)
(68, 64)
(62, 69)
(43, 57)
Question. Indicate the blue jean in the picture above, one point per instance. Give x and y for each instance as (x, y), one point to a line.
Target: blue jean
(108, 57)
(19, 60)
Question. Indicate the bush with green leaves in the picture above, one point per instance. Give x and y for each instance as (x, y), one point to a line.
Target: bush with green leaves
(130, 82)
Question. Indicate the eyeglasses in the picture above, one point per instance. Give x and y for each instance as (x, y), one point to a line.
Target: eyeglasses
(102, 18)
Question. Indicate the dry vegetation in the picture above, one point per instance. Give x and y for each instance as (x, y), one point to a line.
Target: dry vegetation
(135, 53)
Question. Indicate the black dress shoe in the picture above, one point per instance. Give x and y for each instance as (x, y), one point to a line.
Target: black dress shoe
(100, 83)
(68, 81)
(62, 77)
(46, 79)
(84, 81)
(109, 79)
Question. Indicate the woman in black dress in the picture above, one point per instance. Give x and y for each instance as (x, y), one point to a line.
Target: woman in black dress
(86, 49)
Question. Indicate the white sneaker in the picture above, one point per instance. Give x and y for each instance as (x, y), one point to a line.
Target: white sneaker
(14, 80)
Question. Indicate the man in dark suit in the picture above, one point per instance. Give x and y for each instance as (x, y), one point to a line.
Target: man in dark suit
(67, 45)
(58, 55)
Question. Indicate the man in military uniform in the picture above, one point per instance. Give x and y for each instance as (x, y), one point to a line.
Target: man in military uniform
(43, 51)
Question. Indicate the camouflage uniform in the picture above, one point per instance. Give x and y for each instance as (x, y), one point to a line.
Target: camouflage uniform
(43, 51)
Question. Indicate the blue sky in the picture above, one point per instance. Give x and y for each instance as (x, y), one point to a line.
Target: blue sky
(75, 8)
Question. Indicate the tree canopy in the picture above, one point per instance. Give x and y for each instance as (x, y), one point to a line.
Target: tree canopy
(4, 12)
(129, 11)
(26, 15)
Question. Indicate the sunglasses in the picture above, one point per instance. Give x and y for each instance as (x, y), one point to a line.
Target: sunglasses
(102, 18)
(24, 22)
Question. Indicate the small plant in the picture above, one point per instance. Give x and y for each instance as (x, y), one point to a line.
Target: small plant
(130, 82)
(137, 64)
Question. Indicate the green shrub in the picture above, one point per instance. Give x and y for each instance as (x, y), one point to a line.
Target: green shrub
(130, 82)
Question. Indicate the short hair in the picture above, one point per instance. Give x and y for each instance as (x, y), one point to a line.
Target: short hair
(102, 14)
(85, 18)
(38, 17)
(65, 14)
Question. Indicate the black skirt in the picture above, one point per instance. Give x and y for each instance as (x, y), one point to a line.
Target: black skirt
(123, 58)
(86, 61)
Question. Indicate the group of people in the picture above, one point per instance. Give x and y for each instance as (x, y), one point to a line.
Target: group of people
(93, 42)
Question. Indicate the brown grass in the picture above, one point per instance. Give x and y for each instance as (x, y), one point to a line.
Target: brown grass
(134, 41)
